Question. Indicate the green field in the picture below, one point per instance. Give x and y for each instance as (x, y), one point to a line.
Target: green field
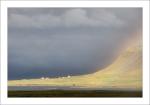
(75, 93)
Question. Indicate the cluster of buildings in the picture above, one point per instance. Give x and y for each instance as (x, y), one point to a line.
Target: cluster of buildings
(45, 78)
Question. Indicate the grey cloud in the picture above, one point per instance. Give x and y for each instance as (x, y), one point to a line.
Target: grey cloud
(69, 18)
(54, 42)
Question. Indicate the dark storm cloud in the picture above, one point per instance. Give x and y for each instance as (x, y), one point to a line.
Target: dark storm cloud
(56, 42)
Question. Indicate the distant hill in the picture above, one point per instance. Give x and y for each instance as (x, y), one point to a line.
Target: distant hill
(124, 72)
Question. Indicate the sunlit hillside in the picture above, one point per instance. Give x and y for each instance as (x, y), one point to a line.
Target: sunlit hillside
(124, 72)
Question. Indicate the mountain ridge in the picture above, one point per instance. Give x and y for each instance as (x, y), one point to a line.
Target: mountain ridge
(124, 72)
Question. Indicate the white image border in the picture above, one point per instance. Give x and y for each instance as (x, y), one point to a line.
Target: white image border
(116, 101)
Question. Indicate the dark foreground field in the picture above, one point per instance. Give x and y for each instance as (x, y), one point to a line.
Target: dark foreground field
(75, 93)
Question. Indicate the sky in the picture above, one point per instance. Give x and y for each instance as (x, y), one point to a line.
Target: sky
(54, 42)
